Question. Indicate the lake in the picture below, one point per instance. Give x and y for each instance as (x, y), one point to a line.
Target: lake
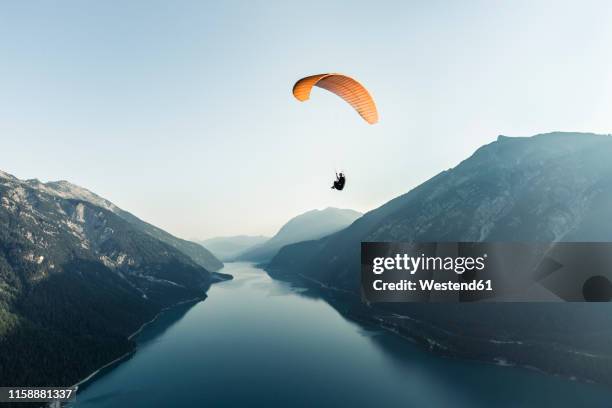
(256, 341)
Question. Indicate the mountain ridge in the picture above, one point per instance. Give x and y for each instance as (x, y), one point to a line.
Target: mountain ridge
(546, 188)
(227, 248)
(76, 280)
(66, 189)
(310, 225)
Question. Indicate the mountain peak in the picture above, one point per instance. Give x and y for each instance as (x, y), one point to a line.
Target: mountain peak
(554, 134)
(67, 190)
(313, 224)
(7, 176)
(229, 247)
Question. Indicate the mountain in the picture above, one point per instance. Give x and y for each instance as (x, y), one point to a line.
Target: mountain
(549, 187)
(65, 189)
(228, 248)
(76, 279)
(308, 226)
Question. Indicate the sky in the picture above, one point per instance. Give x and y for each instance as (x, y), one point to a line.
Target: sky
(181, 112)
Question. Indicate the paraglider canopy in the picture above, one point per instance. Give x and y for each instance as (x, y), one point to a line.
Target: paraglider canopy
(345, 87)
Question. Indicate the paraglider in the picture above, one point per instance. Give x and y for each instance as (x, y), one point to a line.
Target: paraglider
(345, 87)
(340, 181)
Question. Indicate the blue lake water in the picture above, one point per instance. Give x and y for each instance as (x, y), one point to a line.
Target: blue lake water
(260, 342)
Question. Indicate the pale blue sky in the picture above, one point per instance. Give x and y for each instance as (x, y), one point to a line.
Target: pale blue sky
(181, 111)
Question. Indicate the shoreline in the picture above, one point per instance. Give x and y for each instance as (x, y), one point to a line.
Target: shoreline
(131, 336)
(219, 277)
(383, 321)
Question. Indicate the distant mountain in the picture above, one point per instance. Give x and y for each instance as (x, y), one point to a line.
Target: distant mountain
(228, 248)
(550, 187)
(75, 280)
(65, 189)
(311, 225)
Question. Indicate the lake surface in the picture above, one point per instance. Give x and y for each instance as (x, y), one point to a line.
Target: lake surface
(260, 342)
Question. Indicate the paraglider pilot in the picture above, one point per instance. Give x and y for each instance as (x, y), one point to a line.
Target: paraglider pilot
(339, 183)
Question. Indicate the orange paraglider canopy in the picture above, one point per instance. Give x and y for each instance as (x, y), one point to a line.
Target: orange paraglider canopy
(345, 87)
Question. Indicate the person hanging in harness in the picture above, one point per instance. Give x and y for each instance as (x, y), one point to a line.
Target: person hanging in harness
(340, 181)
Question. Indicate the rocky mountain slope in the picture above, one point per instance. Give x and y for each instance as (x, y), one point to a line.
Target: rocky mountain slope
(546, 188)
(195, 251)
(75, 280)
(228, 248)
(313, 224)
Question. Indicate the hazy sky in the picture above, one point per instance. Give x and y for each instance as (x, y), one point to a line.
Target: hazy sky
(181, 111)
